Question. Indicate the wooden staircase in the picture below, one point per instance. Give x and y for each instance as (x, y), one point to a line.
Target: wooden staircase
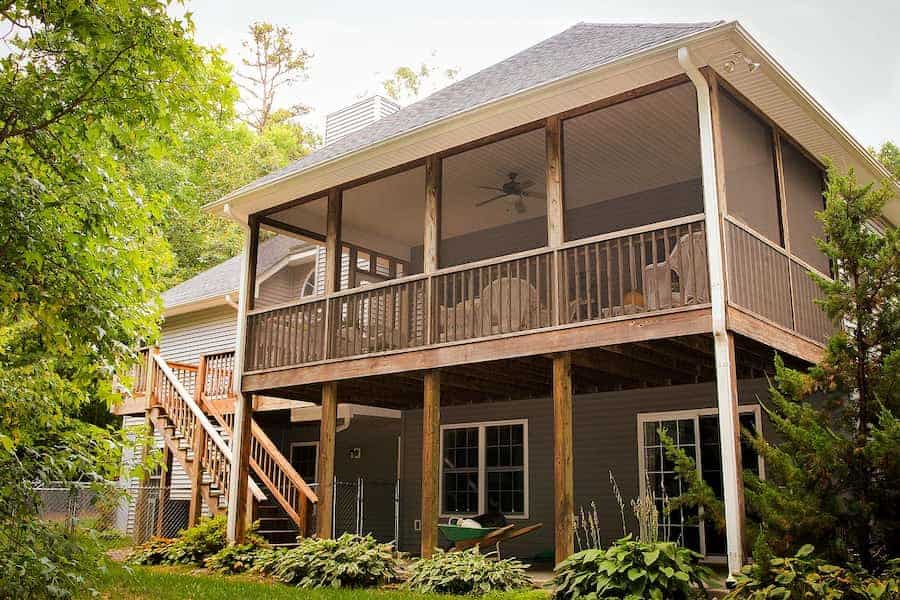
(178, 397)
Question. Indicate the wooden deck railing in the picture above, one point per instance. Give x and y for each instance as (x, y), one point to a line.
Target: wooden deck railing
(210, 381)
(765, 280)
(171, 395)
(651, 268)
(139, 372)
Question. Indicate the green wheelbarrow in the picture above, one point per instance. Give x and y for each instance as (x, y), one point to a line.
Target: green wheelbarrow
(466, 537)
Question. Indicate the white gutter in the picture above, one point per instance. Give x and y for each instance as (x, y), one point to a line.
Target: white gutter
(726, 384)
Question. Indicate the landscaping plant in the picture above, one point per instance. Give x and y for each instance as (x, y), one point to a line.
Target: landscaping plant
(192, 546)
(466, 573)
(631, 569)
(235, 559)
(349, 561)
(803, 576)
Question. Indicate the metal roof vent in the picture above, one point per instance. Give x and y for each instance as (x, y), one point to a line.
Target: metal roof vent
(356, 116)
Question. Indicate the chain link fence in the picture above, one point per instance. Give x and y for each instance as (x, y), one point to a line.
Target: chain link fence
(144, 511)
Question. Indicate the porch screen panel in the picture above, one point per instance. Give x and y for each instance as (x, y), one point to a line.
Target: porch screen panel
(750, 190)
(460, 471)
(505, 468)
(804, 185)
(632, 164)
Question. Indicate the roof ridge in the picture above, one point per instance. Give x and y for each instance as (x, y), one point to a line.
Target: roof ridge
(683, 24)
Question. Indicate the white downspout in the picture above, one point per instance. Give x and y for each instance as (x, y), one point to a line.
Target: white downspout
(239, 405)
(726, 385)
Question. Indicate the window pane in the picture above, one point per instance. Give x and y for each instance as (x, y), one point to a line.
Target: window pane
(633, 163)
(461, 492)
(749, 456)
(749, 168)
(681, 525)
(303, 459)
(461, 448)
(505, 460)
(504, 449)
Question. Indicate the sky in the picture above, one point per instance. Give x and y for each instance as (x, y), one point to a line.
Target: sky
(846, 54)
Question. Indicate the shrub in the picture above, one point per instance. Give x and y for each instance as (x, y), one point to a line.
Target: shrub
(151, 552)
(468, 572)
(349, 561)
(631, 569)
(192, 546)
(266, 560)
(803, 576)
(232, 560)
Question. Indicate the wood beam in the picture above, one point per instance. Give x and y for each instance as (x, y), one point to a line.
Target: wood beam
(165, 487)
(333, 246)
(556, 212)
(563, 470)
(431, 431)
(551, 340)
(195, 508)
(325, 490)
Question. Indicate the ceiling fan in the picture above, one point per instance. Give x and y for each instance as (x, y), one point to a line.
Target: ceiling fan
(513, 189)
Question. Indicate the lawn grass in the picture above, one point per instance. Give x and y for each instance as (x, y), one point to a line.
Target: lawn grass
(185, 583)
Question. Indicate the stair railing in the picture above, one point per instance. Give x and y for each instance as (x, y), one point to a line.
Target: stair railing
(186, 416)
(271, 467)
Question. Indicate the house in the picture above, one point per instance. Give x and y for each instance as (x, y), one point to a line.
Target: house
(538, 267)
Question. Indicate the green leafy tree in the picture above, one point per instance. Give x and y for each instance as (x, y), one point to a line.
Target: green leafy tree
(407, 84)
(832, 478)
(84, 86)
(889, 155)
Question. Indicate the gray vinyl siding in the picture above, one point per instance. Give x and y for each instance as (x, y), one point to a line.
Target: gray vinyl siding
(186, 337)
(605, 439)
(377, 440)
(284, 286)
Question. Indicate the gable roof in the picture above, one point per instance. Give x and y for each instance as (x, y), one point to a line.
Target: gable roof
(580, 48)
(225, 277)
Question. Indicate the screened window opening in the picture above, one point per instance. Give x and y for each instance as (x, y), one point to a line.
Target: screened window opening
(484, 469)
(749, 158)
(697, 434)
(632, 164)
(804, 185)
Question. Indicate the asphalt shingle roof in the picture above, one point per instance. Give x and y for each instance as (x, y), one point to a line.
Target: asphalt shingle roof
(225, 277)
(581, 47)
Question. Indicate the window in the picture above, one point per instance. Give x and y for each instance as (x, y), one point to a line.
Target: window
(305, 460)
(309, 284)
(484, 468)
(697, 433)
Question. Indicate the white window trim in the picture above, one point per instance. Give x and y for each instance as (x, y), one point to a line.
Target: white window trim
(482, 467)
(695, 414)
(299, 444)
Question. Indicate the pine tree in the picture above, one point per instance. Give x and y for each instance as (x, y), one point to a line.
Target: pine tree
(833, 476)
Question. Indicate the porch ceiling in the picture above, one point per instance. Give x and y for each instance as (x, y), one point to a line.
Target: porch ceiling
(673, 361)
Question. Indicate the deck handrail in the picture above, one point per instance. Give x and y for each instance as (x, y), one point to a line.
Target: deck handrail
(182, 421)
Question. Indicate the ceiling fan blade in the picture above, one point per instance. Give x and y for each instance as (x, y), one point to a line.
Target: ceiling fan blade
(520, 206)
(497, 197)
(536, 195)
(526, 184)
(488, 187)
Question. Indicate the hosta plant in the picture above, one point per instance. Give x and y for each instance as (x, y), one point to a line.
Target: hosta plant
(632, 569)
(468, 572)
(151, 552)
(231, 560)
(803, 576)
(349, 561)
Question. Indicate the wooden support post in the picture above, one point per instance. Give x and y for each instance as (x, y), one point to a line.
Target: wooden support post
(556, 211)
(563, 472)
(432, 241)
(195, 509)
(140, 517)
(165, 486)
(431, 431)
(325, 491)
(238, 488)
(333, 241)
